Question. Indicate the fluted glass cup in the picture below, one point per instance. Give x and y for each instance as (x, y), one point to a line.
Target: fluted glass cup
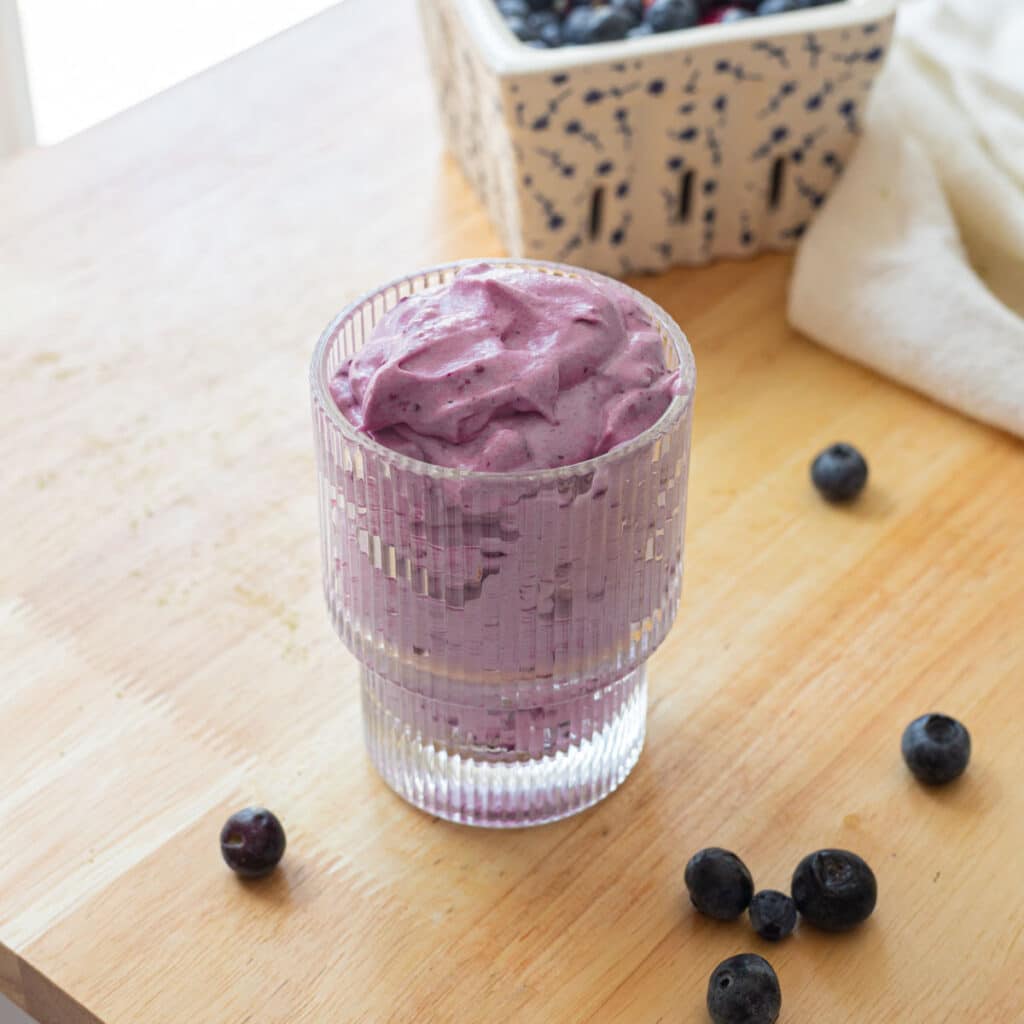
(502, 621)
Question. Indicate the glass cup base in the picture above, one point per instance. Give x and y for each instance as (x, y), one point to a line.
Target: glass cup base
(507, 767)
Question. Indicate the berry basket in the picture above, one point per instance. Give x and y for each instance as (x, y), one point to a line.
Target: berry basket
(683, 147)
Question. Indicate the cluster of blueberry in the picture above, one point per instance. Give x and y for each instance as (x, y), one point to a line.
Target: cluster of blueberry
(545, 24)
(833, 890)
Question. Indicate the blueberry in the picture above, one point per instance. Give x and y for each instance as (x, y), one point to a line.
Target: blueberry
(781, 6)
(744, 990)
(514, 8)
(639, 31)
(540, 5)
(252, 842)
(731, 14)
(834, 890)
(634, 8)
(719, 883)
(773, 914)
(668, 15)
(597, 24)
(547, 27)
(577, 25)
(839, 472)
(936, 749)
(520, 28)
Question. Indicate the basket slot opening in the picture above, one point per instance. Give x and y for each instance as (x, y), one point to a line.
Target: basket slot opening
(596, 211)
(776, 183)
(685, 195)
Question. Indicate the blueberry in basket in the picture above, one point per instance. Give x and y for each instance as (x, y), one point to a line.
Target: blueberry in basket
(669, 15)
(546, 24)
(725, 15)
(602, 24)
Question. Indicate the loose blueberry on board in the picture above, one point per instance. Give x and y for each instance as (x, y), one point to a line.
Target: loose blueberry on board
(252, 842)
(834, 890)
(772, 914)
(936, 748)
(744, 990)
(719, 883)
(669, 15)
(839, 472)
(639, 31)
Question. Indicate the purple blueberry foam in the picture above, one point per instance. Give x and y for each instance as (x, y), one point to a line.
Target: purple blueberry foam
(508, 369)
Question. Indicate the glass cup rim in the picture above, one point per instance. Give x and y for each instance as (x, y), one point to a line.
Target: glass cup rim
(675, 411)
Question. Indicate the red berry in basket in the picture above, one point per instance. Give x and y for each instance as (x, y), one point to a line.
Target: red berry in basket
(724, 15)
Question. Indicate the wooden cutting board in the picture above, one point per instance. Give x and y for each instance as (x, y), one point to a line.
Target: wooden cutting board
(167, 659)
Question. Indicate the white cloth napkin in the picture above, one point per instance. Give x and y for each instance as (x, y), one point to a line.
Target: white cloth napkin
(915, 265)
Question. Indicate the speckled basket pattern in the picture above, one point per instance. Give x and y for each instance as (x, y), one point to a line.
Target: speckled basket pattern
(633, 156)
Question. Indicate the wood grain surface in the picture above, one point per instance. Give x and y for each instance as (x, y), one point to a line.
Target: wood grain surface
(167, 658)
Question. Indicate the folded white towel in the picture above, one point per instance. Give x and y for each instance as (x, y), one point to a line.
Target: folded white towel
(915, 265)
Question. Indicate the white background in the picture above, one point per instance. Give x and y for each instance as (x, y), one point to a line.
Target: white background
(86, 60)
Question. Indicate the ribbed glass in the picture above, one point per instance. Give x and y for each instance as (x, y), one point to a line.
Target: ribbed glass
(502, 620)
